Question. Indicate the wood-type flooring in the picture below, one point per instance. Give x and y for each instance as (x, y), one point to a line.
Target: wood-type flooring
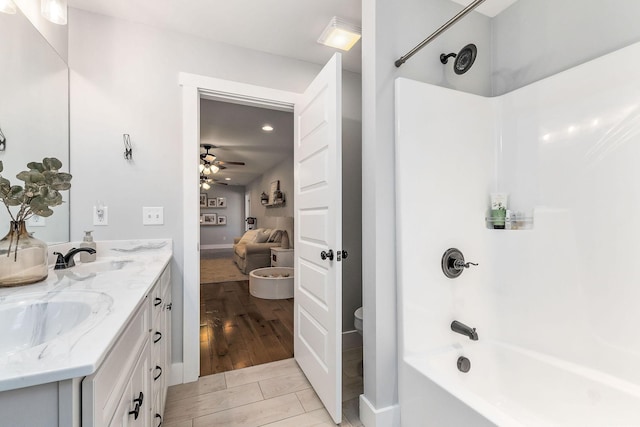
(238, 330)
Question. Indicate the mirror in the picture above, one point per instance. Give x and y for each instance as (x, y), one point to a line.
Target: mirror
(34, 114)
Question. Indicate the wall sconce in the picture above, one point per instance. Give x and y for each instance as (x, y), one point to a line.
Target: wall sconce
(3, 141)
(54, 11)
(128, 149)
(8, 6)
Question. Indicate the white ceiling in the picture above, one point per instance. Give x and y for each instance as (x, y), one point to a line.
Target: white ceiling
(237, 132)
(283, 27)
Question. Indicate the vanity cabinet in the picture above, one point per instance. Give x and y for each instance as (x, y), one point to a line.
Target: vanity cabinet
(129, 388)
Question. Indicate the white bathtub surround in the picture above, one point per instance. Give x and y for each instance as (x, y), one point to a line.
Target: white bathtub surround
(110, 289)
(555, 306)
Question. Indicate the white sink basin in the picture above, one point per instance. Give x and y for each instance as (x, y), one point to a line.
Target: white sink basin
(100, 266)
(31, 320)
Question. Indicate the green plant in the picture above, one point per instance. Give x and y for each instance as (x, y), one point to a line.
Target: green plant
(40, 192)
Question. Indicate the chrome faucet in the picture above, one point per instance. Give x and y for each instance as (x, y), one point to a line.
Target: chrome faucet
(463, 329)
(66, 261)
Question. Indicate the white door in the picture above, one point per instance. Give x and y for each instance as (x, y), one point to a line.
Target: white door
(318, 231)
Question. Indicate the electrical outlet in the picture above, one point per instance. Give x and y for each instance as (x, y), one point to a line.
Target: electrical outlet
(100, 215)
(152, 216)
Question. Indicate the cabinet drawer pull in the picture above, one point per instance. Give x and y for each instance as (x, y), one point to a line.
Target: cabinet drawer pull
(159, 374)
(169, 305)
(157, 301)
(157, 337)
(138, 403)
(159, 416)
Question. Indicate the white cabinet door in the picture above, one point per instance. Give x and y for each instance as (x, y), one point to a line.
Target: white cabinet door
(318, 235)
(133, 410)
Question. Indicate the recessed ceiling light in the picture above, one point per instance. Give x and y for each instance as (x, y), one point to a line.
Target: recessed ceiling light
(267, 128)
(227, 179)
(340, 34)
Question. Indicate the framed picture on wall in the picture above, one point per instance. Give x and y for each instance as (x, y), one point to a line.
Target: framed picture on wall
(203, 200)
(212, 202)
(222, 220)
(209, 219)
(222, 202)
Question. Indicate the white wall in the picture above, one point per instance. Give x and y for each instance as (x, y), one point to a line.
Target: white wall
(282, 172)
(534, 39)
(216, 236)
(124, 79)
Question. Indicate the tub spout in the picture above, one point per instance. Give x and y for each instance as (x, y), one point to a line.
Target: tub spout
(463, 329)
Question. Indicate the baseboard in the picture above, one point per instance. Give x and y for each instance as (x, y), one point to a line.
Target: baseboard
(225, 246)
(351, 339)
(384, 417)
(176, 374)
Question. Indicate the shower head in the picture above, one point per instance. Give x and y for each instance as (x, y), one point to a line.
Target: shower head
(464, 58)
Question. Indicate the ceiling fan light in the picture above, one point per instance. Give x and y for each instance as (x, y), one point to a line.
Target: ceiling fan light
(214, 169)
(206, 186)
(207, 170)
(54, 11)
(8, 6)
(201, 167)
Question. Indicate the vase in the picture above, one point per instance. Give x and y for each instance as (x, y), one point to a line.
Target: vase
(23, 258)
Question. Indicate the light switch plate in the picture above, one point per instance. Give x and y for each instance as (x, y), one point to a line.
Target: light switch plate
(100, 216)
(152, 215)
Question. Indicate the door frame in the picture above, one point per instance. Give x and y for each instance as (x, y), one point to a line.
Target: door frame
(194, 88)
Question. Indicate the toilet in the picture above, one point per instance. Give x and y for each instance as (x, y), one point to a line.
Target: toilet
(357, 320)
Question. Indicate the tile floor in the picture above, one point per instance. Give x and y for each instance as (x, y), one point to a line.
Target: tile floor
(274, 394)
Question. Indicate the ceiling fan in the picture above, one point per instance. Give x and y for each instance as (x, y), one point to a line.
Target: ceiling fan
(206, 182)
(209, 163)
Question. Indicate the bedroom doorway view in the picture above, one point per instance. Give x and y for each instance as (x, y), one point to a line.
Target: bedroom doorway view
(246, 165)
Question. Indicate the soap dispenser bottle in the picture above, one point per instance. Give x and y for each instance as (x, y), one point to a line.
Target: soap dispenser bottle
(87, 242)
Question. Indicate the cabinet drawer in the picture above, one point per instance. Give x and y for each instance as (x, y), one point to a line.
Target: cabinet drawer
(102, 391)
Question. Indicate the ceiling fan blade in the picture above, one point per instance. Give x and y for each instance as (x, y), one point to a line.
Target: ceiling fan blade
(220, 162)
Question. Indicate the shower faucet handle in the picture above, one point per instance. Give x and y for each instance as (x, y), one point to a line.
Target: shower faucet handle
(460, 264)
(453, 263)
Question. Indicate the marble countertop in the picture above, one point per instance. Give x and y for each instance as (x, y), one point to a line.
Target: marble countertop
(115, 286)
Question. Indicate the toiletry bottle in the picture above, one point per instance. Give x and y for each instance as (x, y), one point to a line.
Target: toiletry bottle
(87, 242)
(498, 209)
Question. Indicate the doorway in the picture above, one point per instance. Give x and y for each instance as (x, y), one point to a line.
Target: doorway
(318, 118)
(240, 157)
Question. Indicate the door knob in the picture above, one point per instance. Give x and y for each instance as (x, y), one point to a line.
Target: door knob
(324, 255)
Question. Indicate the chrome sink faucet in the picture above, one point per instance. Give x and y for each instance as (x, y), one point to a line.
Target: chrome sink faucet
(66, 261)
(463, 329)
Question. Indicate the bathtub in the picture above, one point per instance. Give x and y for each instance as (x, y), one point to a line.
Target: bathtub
(511, 386)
